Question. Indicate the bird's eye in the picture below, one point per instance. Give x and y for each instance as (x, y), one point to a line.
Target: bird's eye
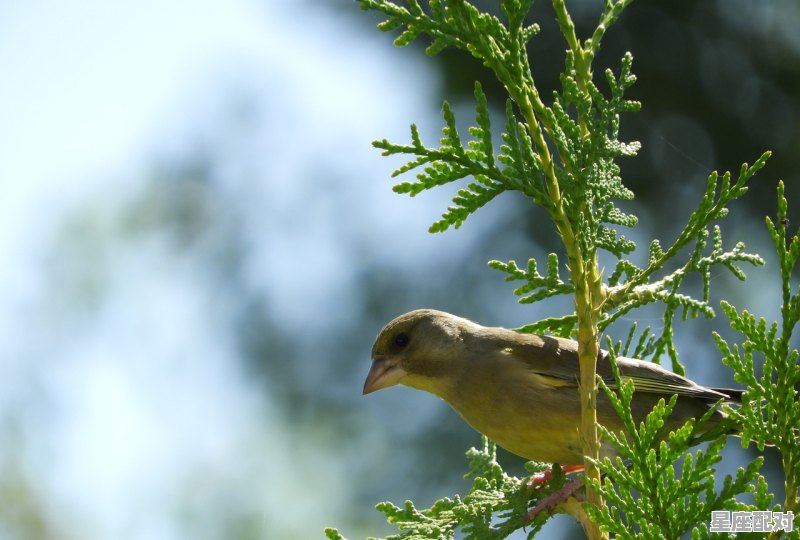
(401, 340)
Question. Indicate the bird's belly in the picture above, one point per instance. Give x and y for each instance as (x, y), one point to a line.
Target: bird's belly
(525, 424)
(535, 438)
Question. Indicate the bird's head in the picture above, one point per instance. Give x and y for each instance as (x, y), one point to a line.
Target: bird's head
(418, 349)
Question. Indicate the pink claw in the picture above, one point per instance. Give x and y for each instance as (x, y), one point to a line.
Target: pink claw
(551, 501)
(540, 479)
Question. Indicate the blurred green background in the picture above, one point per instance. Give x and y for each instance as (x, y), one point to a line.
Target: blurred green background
(199, 245)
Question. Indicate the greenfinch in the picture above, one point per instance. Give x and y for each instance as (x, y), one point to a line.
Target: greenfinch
(521, 390)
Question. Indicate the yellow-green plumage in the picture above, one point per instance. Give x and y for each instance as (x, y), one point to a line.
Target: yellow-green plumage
(520, 390)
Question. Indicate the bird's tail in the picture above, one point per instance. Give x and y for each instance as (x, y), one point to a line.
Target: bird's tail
(734, 394)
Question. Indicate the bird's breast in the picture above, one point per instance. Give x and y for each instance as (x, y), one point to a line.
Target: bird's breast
(532, 420)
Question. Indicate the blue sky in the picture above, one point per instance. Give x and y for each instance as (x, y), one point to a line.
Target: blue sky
(93, 93)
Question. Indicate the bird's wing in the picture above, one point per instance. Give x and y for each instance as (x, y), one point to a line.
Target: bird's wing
(650, 377)
(555, 362)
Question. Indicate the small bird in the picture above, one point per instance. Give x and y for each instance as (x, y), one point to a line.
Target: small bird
(521, 390)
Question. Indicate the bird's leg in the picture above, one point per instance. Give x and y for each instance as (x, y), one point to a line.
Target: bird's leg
(567, 492)
(559, 497)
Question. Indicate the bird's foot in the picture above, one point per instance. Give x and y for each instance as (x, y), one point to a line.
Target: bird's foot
(540, 479)
(561, 496)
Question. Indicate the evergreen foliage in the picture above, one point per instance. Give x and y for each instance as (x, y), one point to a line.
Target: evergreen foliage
(562, 154)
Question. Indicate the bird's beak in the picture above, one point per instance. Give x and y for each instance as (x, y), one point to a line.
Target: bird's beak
(384, 372)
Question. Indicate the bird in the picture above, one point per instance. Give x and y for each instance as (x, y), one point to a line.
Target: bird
(521, 390)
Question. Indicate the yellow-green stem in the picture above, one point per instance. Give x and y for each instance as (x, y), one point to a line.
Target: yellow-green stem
(583, 267)
(791, 499)
(588, 298)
